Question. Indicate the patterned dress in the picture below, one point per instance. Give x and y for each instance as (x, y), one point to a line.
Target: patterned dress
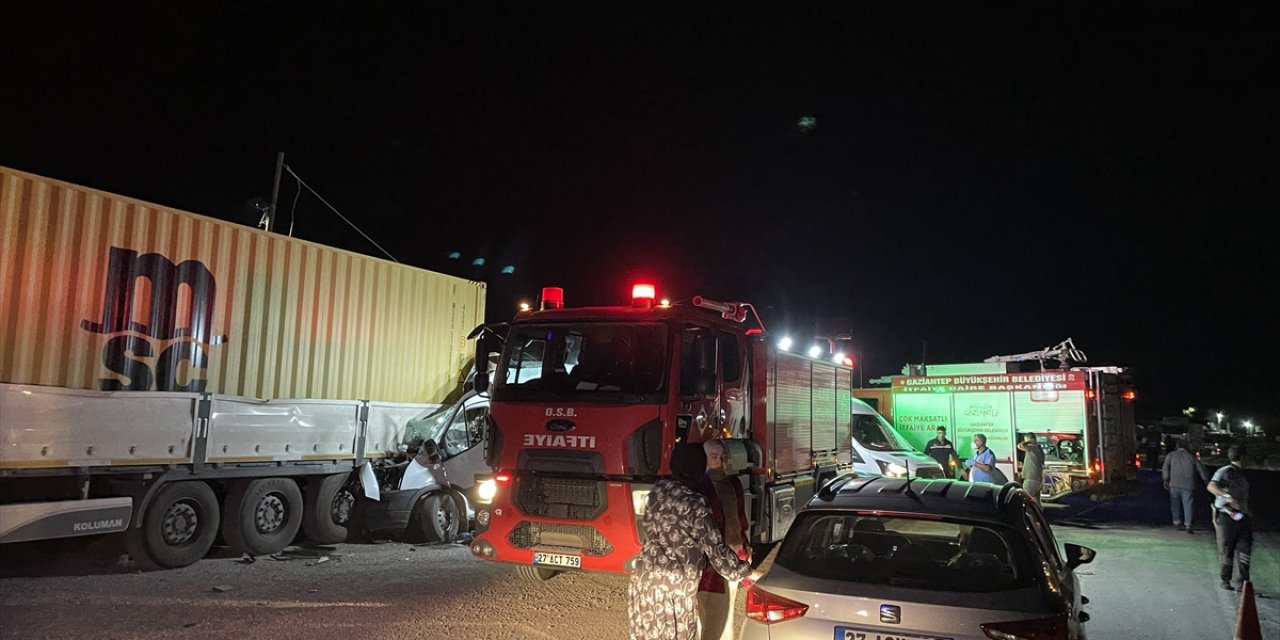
(680, 538)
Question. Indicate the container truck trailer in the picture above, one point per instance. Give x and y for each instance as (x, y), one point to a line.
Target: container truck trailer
(175, 377)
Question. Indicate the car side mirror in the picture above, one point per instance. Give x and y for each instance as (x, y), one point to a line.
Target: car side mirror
(1078, 555)
(431, 451)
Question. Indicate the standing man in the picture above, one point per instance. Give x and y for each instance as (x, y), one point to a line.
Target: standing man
(983, 462)
(944, 452)
(1231, 517)
(724, 495)
(1180, 470)
(1032, 465)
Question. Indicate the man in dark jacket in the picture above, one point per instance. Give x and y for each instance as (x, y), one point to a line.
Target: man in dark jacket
(944, 452)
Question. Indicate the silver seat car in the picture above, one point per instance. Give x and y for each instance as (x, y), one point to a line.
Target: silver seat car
(898, 559)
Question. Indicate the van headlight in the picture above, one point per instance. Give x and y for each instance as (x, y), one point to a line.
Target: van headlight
(891, 469)
(486, 491)
(639, 498)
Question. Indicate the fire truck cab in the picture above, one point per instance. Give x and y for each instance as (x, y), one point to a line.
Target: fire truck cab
(587, 404)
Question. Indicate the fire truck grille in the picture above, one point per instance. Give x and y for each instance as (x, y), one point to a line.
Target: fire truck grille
(573, 538)
(560, 497)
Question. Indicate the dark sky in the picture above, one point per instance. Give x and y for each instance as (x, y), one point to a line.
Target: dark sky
(983, 180)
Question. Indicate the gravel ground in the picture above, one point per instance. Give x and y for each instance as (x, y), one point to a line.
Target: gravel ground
(391, 590)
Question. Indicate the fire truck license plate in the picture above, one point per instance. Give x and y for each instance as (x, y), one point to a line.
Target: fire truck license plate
(846, 633)
(558, 560)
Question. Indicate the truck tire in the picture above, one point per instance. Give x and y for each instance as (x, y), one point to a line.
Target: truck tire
(437, 518)
(535, 573)
(327, 506)
(262, 516)
(177, 528)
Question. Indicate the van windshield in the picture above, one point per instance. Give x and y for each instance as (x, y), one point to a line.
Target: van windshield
(874, 433)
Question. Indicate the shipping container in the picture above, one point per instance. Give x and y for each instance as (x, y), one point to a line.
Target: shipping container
(103, 292)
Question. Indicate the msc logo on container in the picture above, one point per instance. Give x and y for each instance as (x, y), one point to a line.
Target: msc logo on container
(185, 290)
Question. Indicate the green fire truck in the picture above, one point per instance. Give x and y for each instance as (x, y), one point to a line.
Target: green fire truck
(1081, 415)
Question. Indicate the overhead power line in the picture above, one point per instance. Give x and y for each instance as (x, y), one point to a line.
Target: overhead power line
(335, 211)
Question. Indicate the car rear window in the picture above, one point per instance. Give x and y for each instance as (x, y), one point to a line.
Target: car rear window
(908, 552)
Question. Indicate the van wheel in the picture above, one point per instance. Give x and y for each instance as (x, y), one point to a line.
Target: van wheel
(438, 518)
(262, 516)
(536, 574)
(327, 505)
(177, 528)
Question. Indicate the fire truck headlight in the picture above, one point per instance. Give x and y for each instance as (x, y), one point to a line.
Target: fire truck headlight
(482, 517)
(639, 497)
(486, 491)
(483, 549)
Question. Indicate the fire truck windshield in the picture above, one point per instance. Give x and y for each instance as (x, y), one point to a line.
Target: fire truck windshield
(595, 362)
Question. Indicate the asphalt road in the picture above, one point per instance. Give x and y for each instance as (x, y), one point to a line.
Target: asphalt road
(1148, 581)
(390, 591)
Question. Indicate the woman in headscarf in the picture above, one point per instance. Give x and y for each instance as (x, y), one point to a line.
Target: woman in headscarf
(680, 539)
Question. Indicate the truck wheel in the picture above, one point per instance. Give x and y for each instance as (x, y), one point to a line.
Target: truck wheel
(327, 505)
(536, 574)
(437, 518)
(177, 528)
(261, 517)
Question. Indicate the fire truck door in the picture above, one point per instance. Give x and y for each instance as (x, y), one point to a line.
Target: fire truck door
(733, 387)
(699, 392)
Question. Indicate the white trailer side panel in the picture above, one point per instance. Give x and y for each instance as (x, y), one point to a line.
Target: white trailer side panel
(43, 427)
(250, 430)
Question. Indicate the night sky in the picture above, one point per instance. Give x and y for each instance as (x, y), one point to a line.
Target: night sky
(985, 181)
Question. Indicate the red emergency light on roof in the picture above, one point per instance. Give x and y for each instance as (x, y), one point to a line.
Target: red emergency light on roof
(552, 298)
(1130, 395)
(642, 295)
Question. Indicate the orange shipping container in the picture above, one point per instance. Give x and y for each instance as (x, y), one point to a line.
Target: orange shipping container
(99, 291)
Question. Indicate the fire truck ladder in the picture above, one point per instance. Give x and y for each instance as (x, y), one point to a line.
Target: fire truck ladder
(1064, 352)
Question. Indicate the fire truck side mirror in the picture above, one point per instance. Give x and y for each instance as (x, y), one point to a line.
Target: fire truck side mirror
(481, 383)
(706, 384)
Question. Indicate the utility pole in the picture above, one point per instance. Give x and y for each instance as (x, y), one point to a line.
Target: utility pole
(269, 216)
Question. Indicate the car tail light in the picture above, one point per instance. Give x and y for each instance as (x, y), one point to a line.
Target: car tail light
(1054, 628)
(769, 608)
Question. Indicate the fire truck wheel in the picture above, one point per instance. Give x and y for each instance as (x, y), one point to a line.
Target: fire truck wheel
(327, 506)
(261, 516)
(177, 528)
(536, 574)
(437, 518)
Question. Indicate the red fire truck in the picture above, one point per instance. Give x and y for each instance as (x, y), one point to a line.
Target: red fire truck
(588, 403)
